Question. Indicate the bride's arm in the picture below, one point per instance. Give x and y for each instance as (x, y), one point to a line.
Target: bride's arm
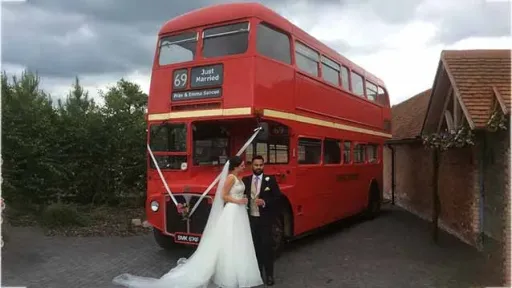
(225, 191)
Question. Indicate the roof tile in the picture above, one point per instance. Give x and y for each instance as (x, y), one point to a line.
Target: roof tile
(408, 116)
(475, 72)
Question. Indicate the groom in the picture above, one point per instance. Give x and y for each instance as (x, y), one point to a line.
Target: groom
(264, 195)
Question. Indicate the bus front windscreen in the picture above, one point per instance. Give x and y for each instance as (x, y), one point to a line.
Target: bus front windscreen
(211, 144)
(168, 138)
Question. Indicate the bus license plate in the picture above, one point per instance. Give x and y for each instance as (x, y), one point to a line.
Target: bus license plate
(186, 238)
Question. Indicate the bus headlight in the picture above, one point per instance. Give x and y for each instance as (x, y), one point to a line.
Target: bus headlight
(154, 205)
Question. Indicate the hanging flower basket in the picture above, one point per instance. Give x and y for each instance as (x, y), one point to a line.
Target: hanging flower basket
(498, 121)
(445, 140)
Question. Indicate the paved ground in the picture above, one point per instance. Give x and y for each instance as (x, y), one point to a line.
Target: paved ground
(392, 251)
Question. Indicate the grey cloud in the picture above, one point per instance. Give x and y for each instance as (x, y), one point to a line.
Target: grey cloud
(389, 11)
(64, 38)
(490, 19)
(68, 38)
(140, 15)
(44, 35)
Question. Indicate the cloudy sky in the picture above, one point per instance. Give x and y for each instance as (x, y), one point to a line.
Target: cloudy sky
(103, 40)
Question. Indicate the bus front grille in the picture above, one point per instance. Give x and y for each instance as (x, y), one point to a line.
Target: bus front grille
(197, 222)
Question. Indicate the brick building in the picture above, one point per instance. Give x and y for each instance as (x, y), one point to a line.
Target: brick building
(470, 88)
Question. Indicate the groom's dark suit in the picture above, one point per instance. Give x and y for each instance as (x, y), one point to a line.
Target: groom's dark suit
(261, 225)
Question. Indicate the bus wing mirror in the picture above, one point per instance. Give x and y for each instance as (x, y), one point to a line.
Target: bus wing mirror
(264, 132)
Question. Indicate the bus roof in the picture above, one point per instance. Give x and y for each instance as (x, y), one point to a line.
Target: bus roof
(227, 12)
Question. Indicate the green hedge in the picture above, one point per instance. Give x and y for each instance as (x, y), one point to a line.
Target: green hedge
(71, 150)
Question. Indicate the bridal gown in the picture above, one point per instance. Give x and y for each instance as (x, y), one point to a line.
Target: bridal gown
(225, 256)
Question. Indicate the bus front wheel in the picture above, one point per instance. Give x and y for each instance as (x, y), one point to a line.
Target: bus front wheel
(164, 241)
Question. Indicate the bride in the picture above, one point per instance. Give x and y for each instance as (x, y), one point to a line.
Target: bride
(225, 256)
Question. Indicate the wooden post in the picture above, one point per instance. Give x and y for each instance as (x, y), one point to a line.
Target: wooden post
(435, 195)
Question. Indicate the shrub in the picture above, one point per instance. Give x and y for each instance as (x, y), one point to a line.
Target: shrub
(63, 215)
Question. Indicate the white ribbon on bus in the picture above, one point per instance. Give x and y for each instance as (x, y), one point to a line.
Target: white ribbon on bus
(242, 150)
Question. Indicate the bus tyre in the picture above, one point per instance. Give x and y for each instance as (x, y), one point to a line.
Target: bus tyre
(374, 202)
(278, 236)
(164, 241)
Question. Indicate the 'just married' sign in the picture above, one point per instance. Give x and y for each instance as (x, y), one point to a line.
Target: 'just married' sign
(204, 76)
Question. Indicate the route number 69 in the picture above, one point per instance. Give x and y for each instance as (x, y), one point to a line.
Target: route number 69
(180, 79)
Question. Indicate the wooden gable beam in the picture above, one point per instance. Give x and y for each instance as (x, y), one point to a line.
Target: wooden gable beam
(456, 112)
(427, 125)
(442, 117)
(457, 94)
(500, 100)
(449, 120)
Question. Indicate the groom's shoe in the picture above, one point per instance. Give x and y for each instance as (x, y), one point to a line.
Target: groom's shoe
(270, 281)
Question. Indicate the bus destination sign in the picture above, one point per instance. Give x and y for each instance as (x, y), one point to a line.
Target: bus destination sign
(197, 94)
(204, 76)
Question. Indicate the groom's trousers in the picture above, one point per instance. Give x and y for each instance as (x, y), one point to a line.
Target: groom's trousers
(262, 238)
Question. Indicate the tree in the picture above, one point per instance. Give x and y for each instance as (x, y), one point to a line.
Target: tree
(76, 151)
(124, 109)
(30, 171)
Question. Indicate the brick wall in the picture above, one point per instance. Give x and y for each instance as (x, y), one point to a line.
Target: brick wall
(496, 184)
(457, 186)
(458, 190)
(386, 173)
(496, 217)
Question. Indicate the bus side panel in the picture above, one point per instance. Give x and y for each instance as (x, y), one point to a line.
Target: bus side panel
(315, 96)
(274, 83)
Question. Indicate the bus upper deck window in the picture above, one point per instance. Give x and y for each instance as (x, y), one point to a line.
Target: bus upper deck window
(357, 84)
(226, 40)
(371, 91)
(382, 96)
(177, 48)
(273, 44)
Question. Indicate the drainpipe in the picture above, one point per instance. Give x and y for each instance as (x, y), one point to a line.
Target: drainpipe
(392, 174)
(481, 170)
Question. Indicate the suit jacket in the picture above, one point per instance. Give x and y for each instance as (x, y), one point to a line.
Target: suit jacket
(269, 192)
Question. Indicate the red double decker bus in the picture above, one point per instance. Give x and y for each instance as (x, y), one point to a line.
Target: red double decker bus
(221, 71)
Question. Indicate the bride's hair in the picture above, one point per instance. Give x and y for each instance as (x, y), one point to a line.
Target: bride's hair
(234, 162)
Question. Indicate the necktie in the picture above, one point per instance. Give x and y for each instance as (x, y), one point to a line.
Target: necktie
(256, 183)
(254, 192)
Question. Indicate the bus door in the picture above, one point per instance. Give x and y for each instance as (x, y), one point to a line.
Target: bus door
(332, 160)
(360, 182)
(312, 209)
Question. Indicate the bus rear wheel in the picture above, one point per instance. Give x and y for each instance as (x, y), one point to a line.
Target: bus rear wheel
(374, 202)
(164, 241)
(278, 236)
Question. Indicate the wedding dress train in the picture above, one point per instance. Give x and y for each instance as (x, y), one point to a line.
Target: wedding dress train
(225, 256)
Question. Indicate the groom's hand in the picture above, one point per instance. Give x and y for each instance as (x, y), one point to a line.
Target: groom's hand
(260, 202)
